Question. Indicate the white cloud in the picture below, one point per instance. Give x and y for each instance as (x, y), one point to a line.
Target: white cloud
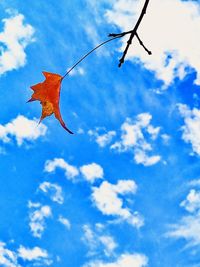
(169, 29)
(192, 201)
(22, 129)
(70, 171)
(141, 157)
(31, 254)
(65, 222)
(98, 242)
(37, 219)
(191, 127)
(8, 258)
(107, 200)
(54, 191)
(36, 255)
(125, 260)
(134, 138)
(14, 38)
(102, 139)
(91, 172)
(188, 227)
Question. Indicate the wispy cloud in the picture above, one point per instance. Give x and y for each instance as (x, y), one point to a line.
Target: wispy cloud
(8, 258)
(102, 139)
(191, 128)
(53, 190)
(192, 201)
(188, 227)
(134, 138)
(37, 216)
(98, 242)
(65, 222)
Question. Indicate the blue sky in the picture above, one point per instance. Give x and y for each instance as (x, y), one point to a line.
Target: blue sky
(124, 190)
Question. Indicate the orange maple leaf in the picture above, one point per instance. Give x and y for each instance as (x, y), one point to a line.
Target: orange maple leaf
(48, 93)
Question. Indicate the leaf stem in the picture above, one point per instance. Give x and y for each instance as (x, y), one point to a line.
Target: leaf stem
(86, 55)
(116, 36)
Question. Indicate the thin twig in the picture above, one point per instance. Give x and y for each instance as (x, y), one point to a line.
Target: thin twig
(133, 33)
(119, 34)
(137, 36)
(142, 44)
(86, 55)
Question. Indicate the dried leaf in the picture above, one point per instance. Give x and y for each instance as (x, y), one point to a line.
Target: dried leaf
(48, 93)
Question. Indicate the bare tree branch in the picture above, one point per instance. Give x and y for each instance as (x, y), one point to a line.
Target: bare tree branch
(134, 32)
(137, 36)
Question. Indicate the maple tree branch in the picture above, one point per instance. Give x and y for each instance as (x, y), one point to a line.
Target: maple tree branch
(133, 33)
(86, 55)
